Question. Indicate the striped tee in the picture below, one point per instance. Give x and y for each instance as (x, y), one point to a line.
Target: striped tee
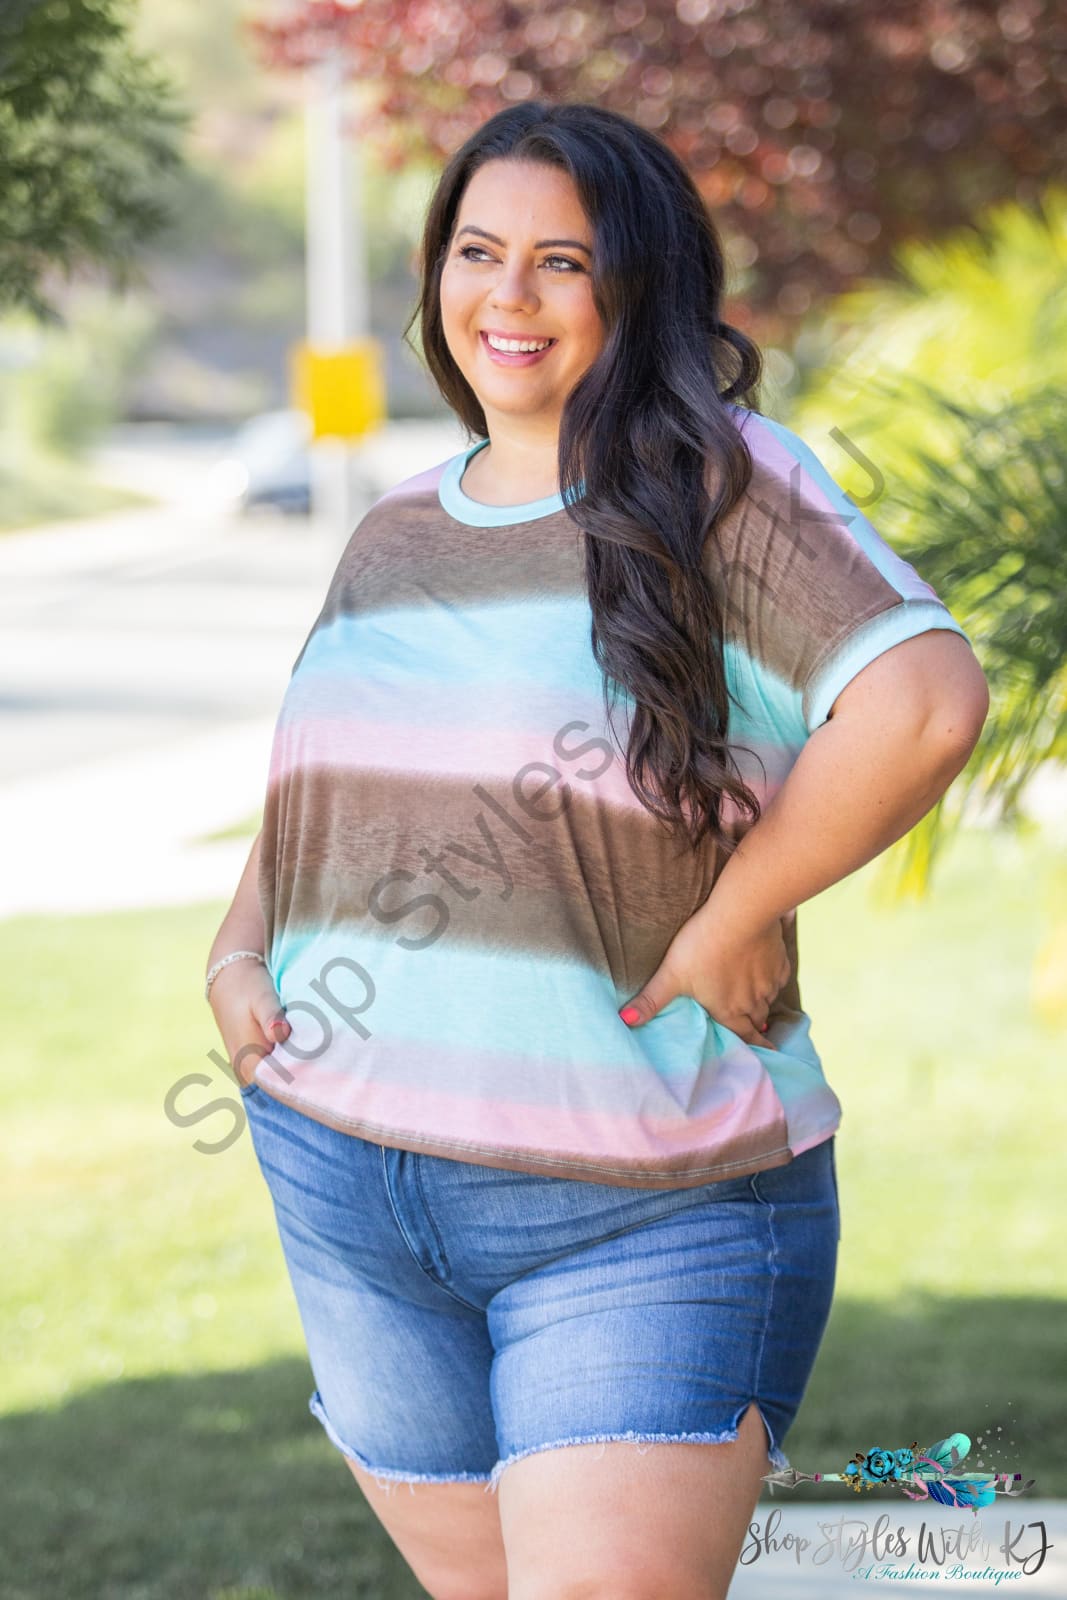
(459, 888)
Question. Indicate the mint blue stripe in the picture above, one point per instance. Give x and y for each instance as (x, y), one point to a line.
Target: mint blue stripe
(536, 647)
(770, 707)
(467, 997)
(542, 641)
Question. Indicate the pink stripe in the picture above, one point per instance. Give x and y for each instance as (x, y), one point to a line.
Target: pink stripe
(764, 779)
(421, 483)
(739, 1096)
(349, 744)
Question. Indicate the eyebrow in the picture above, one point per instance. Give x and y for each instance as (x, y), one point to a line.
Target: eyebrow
(542, 244)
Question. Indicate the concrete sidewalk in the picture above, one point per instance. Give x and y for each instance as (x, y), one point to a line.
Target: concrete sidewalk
(124, 831)
(142, 663)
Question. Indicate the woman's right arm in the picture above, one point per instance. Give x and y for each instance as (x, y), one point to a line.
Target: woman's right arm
(242, 926)
(243, 999)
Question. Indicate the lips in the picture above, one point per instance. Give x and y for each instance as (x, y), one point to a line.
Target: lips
(513, 358)
(514, 333)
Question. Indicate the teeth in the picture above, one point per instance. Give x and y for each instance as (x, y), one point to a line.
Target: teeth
(516, 345)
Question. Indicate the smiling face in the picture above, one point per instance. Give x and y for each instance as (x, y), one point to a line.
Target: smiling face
(516, 267)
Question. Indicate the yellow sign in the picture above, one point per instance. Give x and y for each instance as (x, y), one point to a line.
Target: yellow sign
(342, 390)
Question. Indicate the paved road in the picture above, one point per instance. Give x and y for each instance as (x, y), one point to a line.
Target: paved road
(143, 657)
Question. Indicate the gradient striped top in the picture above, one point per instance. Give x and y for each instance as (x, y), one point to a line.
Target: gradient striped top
(459, 888)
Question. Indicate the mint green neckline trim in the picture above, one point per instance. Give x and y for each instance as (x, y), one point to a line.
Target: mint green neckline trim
(476, 515)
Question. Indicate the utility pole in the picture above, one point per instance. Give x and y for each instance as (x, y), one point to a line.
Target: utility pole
(337, 297)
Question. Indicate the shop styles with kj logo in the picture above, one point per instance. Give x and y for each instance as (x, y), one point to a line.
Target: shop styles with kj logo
(936, 1549)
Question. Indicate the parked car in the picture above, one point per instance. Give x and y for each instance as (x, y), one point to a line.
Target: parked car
(267, 463)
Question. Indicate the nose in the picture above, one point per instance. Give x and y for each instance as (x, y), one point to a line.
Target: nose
(515, 289)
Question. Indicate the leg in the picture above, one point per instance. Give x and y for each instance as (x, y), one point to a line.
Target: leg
(448, 1533)
(594, 1520)
(401, 1365)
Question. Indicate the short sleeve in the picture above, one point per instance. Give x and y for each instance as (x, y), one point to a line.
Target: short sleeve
(813, 591)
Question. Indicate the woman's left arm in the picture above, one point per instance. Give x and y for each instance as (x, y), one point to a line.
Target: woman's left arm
(897, 736)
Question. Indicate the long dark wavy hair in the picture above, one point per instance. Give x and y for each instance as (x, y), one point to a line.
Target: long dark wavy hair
(646, 427)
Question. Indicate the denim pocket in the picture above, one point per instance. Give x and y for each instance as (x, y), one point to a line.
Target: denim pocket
(808, 1177)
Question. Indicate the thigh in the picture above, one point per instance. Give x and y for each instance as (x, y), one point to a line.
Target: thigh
(671, 1521)
(448, 1533)
(619, 1364)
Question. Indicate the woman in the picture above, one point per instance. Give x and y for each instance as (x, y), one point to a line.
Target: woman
(548, 1141)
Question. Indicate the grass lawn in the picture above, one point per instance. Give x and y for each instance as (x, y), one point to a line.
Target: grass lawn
(40, 488)
(154, 1437)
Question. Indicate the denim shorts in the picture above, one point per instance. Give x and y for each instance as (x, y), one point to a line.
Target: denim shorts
(459, 1317)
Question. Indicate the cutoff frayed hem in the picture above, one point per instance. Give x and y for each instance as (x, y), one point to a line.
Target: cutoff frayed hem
(386, 1475)
(727, 1436)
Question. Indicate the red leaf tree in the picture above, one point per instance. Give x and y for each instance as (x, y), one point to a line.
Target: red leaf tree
(821, 132)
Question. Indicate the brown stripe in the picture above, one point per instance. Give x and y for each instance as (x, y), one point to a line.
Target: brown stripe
(595, 880)
(408, 552)
(796, 580)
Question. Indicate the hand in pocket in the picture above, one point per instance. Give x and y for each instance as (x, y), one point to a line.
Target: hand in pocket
(248, 1014)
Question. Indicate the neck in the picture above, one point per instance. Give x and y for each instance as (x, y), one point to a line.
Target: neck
(519, 465)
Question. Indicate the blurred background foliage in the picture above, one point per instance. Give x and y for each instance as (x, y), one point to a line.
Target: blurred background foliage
(819, 148)
(937, 400)
(61, 388)
(821, 136)
(88, 124)
(976, 314)
(191, 293)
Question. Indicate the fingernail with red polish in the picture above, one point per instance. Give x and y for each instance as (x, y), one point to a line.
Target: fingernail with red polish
(630, 1014)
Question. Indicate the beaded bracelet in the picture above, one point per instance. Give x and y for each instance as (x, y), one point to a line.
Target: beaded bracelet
(234, 955)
